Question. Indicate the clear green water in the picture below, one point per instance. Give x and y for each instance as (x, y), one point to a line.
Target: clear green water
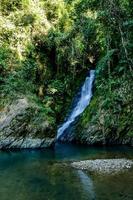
(42, 175)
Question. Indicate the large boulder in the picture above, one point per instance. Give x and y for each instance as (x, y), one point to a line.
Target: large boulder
(22, 125)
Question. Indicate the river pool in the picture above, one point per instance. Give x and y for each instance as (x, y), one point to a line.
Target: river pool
(44, 175)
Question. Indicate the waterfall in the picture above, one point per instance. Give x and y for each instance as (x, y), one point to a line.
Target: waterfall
(82, 103)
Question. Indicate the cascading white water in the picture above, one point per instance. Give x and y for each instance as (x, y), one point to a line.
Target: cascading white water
(83, 102)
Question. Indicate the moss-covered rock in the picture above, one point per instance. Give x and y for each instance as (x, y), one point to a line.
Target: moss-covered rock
(108, 119)
(22, 125)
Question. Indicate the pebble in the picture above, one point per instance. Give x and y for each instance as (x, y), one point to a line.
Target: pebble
(104, 165)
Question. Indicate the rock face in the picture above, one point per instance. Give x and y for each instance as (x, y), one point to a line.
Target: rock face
(22, 126)
(108, 118)
(104, 165)
(93, 135)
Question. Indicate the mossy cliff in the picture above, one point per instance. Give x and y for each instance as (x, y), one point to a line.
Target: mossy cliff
(108, 119)
(41, 51)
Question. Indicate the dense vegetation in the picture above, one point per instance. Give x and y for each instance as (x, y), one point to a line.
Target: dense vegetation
(109, 117)
(46, 48)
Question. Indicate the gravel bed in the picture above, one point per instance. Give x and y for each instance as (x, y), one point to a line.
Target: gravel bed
(104, 165)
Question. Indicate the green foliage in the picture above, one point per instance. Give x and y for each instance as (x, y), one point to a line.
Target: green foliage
(46, 48)
(4, 58)
(11, 5)
(102, 64)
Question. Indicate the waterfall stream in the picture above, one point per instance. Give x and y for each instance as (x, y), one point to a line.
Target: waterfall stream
(82, 103)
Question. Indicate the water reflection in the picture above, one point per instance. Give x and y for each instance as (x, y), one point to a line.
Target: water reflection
(42, 175)
(87, 184)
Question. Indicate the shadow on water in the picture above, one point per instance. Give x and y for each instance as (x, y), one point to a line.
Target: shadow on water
(64, 151)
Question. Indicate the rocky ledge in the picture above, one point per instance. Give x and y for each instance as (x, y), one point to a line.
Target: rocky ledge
(22, 126)
(108, 166)
(25, 143)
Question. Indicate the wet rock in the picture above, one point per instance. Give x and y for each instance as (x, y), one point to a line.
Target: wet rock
(104, 165)
(25, 143)
(19, 130)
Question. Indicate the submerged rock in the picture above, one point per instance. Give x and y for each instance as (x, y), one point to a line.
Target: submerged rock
(22, 126)
(104, 165)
